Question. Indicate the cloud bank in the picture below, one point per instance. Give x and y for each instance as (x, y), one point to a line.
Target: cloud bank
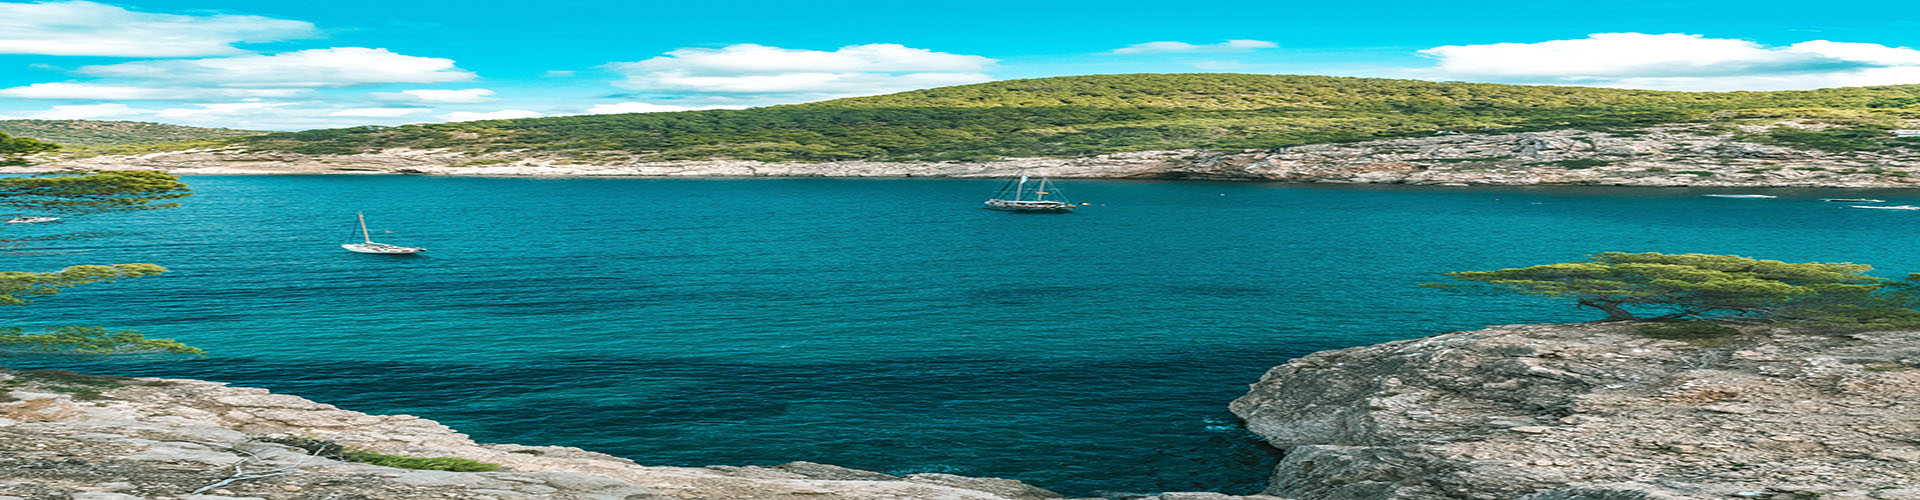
(1676, 61)
(764, 74)
(95, 29)
(331, 67)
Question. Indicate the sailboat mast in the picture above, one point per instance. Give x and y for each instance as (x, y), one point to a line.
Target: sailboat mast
(363, 229)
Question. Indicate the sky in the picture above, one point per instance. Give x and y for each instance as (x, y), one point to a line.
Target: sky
(303, 65)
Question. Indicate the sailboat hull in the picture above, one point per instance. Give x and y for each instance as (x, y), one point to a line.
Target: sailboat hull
(382, 249)
(1029, 206)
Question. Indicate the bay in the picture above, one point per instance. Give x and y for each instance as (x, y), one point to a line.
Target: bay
(890, 325)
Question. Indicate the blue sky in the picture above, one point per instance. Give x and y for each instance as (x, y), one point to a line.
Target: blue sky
(298, 65)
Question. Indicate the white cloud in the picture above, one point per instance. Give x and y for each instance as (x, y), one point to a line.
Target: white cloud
(332, 67)
(558, 73)
(103, 92)
(94, 29)
(255, 115)
(766, 74)
(827, 84)
(1188, 48)
(438, 96)
(505, 114)
(379, 112)
(1675, 61)
(202, 113)
(761, 59)
(82, 112)
(644, 107)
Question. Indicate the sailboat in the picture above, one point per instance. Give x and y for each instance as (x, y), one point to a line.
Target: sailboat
(381, 248)
(31, 220)
(1017, 197)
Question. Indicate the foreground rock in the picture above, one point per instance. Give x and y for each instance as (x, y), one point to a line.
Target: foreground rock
(1679, 155)
(1564, 412)
(160, 439)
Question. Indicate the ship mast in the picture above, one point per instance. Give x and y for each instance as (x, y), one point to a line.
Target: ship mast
(363, 229)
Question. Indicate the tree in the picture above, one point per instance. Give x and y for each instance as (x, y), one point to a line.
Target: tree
(83, 192)
(1627, 286)
(11, 148)
(80, 193)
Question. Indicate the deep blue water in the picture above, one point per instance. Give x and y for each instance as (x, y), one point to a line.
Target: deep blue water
(880, 324)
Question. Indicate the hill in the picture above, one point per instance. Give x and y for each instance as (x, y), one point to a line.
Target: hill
(1085, 115)
(106, 133)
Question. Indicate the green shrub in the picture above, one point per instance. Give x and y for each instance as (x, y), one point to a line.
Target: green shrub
(1833, 140)
(330, 449)
(1083, 115)
(420, 463)
(1697, 332)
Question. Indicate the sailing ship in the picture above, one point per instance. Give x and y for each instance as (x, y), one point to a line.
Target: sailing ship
(31, 220)
(380, 248)
(1016, 196)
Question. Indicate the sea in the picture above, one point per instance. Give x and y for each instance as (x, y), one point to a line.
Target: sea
(891, 325)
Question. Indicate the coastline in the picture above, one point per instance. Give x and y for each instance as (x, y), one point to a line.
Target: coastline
(1670, 156)
(1530, 412)
(137, 438)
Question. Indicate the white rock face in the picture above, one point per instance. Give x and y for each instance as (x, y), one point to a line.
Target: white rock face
(158, 439)
(1596, 411)
(1678, 155)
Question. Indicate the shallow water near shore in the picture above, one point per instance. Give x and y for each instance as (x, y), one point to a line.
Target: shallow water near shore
(889, 325)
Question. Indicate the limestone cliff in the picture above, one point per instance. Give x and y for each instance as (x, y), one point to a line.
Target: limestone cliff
(1561, 412)
(1677, 155)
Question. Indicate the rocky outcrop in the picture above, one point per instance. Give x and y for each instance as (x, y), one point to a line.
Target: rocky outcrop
(1679, 155)
(193, 440)
(1597, 412)
(82, 437)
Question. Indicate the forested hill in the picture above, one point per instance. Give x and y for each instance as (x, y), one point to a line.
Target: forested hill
(102, 133)
(1082, 115)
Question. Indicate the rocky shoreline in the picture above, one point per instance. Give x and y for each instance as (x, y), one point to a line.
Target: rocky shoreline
(82, 437)
(1675, 155)
(1597, 411)
(1526, 412)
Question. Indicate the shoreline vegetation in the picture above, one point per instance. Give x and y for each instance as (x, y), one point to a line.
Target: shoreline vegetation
(1280, 128)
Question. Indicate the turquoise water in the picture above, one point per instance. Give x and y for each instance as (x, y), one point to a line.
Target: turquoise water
(880, 324)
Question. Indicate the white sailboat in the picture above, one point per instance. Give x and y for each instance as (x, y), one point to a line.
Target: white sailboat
(380, 248)
(31, 220)
(1017, 197)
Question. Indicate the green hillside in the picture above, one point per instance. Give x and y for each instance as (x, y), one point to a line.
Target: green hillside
(102, 133)
(1069, 116)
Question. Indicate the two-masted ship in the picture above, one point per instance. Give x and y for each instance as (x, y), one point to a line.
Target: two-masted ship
(1025, 195)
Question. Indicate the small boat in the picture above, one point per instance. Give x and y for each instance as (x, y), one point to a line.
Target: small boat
(1741, 196)
(1853, 200)
(31, 220)
(380, 248)
(1016, 197)
(1886, 207)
